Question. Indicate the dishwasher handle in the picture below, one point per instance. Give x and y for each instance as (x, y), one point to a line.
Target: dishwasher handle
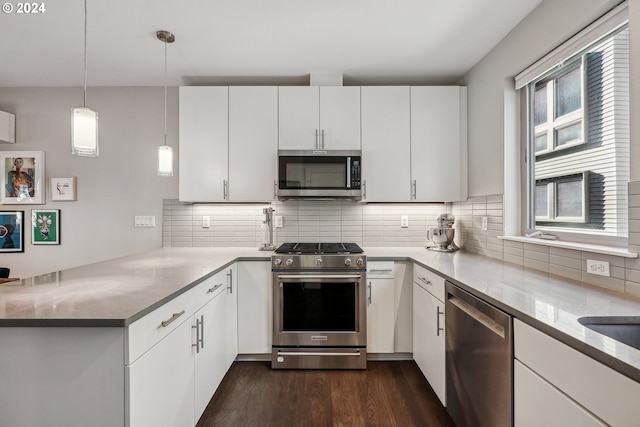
(478, 315)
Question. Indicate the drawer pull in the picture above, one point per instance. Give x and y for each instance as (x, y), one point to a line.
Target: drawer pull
(424, 279)
(166, 323)
(214, 288)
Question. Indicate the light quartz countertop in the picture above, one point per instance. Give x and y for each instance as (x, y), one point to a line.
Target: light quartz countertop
(119, 291)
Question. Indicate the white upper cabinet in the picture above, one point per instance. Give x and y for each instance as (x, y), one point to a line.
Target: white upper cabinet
(438, 143)
(204, 143)
(253, 143)
(7, 127)
(319, 118)
(228, 143)
(386, 142)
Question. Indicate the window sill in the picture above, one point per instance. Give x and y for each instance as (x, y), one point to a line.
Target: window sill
(598, 249)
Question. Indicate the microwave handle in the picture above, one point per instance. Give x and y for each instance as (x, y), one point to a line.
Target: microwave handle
(348, 171)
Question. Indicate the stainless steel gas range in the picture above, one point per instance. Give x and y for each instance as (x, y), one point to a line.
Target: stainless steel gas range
(319, 306)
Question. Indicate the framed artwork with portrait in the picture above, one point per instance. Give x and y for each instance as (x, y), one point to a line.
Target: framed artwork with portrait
(11, 231)
(22, 177)
(45, 226)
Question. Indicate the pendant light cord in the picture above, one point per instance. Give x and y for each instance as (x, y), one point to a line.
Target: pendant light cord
(165, 93)
(85, 54)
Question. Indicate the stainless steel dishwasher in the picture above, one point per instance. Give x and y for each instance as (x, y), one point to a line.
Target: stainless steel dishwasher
(479, 361)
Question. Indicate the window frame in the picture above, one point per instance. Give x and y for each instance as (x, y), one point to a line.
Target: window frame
(552, 204)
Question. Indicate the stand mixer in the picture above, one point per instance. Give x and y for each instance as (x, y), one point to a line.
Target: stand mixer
(442, 234)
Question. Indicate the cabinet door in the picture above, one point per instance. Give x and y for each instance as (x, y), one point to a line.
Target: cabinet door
(380, 316)
(204, 143)
(429, 339)
(253, 143)
(386, 143)
(340, 118)
(255, 307)
(538, 403)
(439, 143)
(299, 112)
(210, 355)
(161, 383)
(231, 317)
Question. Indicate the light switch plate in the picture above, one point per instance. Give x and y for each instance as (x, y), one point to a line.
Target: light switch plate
(279, 221)
(144, 221)
(485, 223)
(404, 221)
(206, 221)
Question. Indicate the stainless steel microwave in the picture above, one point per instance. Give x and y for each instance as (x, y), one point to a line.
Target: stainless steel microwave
(319, 174)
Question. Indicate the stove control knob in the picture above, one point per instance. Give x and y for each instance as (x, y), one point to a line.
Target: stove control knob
(277, 261)
(359, 261)
(289, 262)
(319, 262)
(347, 262)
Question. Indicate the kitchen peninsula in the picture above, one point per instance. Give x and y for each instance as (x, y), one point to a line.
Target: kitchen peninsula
(66, 337)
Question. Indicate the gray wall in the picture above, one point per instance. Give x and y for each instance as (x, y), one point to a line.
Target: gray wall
(112, 188)
(546, 27)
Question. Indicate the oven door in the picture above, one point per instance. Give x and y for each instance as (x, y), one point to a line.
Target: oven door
(319, 309)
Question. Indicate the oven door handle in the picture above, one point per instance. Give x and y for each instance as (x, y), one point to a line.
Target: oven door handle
(319, 276)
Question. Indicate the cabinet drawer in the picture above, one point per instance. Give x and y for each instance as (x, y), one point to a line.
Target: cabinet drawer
(380, 270)
(210, 288)
(145, 332)
(604, 392)
(428, 280)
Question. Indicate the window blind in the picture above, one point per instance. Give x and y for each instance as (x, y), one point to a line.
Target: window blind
(606, 24)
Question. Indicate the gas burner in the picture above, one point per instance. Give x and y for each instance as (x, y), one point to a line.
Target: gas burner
(319, 248)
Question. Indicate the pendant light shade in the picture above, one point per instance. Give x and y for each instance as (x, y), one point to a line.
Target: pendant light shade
(165, 160)
(84, 132)
(165, 152)
(84, 121)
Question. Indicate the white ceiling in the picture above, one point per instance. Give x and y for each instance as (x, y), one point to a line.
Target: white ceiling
(252, 41)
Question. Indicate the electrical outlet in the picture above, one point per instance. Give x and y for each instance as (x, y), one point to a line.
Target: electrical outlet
(601, 268)
(206, 221)
(485, 223)
(279, 221)
(404, 221)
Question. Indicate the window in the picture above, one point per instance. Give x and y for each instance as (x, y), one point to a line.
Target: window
(578, 142)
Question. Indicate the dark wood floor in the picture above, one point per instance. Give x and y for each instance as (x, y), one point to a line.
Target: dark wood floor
(386, 394)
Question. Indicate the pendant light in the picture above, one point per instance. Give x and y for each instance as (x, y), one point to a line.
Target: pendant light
(84, 121)
(165, 152)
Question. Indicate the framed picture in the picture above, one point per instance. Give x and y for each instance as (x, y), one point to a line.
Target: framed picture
(63, 188)
(45, 225)
(22, 177)
(11, 231)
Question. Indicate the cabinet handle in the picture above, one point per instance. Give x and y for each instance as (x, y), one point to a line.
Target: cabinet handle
(427, 282)
(322, 141)
(230, 276)
(167, 322)
(275, 189)
(380, 270)
(199, 327)
(317, 142)
(438, 328)
(364, 188)
(369, 292)
(210, 290)
(225, 189)
(414, 190)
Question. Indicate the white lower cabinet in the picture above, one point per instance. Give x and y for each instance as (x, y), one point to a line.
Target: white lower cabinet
(532, 393)
(255, 307)
(380, 307)
(173, 380)
(161, 383)
(555, 384)
(428, 328)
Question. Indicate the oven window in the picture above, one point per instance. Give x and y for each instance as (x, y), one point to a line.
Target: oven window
(313, 306)
(312, 172)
